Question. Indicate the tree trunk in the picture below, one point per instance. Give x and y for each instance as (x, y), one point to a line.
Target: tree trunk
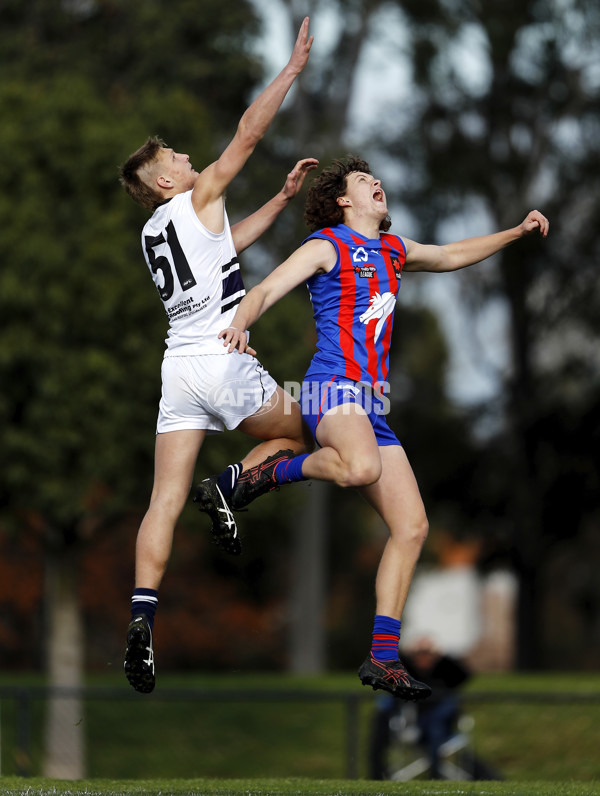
(527, 494)
(307, 598)
(64, 742)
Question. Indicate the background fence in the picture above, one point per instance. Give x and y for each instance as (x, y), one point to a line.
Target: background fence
(202, 732)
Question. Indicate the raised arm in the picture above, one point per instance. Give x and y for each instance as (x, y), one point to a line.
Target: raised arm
(212, 182)
(248, 230)
(452, 256)
(314, 257)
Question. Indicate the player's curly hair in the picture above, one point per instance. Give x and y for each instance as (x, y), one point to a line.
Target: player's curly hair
(321, 208)
(131, 173)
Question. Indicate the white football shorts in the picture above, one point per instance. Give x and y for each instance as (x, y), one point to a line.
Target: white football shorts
(211, 391)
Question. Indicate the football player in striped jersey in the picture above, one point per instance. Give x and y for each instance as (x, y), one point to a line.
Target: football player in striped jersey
(352, 266)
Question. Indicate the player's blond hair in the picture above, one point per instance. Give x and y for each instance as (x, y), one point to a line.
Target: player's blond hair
(135, 174)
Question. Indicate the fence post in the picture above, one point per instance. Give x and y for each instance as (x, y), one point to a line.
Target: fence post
(352, 703)
(23, 754)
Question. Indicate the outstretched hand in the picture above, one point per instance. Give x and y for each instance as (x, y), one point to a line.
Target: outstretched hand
(236, 340)
(535, 220)
(299, 56)
(296, 176)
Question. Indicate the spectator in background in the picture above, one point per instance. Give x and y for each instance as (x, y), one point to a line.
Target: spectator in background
(437, 717)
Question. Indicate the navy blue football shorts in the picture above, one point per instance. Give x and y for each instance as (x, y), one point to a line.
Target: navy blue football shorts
(319, 394)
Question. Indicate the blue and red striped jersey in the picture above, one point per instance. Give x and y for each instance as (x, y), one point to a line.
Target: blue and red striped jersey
(353, 304)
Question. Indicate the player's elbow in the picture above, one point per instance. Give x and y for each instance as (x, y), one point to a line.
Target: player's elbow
(248, 134)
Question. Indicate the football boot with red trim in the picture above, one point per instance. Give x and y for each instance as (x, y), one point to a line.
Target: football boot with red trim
(258, 480)
(392, 676)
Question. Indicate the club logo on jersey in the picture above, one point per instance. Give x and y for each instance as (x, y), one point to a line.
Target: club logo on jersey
(397, 268)
(348, 388)
(380, 308)
(360, 255)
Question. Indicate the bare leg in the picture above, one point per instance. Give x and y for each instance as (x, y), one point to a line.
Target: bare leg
(279, 422)
(353, 458)
(396, 498)
(349, 455)
(175, 458)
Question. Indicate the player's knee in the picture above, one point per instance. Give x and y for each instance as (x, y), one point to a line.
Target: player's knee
(361, 472)
(166, 506)
(418, 530)
(410, 535)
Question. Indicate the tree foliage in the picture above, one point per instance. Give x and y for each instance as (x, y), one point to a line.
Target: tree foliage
(83, 85)
(81, 326)
(504, 117)
(498, 111)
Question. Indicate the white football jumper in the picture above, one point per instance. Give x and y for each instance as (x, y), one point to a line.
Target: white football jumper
(197, 275)
(198, 278)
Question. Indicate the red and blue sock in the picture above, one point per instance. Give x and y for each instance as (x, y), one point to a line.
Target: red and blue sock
(290, 470)
(144, 601)
(386, 635)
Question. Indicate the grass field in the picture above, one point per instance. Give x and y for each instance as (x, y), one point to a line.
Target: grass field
(182, 744)
(12, 786)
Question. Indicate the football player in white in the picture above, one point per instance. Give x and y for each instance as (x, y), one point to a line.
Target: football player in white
(191, 252)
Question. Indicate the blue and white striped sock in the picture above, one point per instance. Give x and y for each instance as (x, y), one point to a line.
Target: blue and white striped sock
(144, 601)
(228, 478)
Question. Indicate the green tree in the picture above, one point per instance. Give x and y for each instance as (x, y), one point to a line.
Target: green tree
(495, 109)
(503, 117)
(80, 380)
(327, 113)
